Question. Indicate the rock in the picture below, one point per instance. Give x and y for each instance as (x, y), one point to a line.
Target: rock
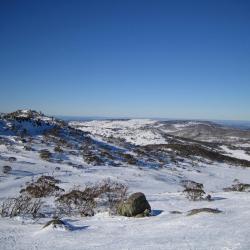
(175, 212)
(206, 210)
(58, 224)
(54, 223)
(136, 205)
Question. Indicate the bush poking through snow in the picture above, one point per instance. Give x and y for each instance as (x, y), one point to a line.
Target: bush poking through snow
(130, 159)
(12, 159)
(238, 187)
(194, 194)
(193, 190)
(44, 186)
(92, 159)
(105, 195)
(58, 149)
(22, 205)
(6, 169)
(188, 184)
(27, 148)
(45, 154)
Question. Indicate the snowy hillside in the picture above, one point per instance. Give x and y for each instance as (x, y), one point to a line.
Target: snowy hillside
(160, 159)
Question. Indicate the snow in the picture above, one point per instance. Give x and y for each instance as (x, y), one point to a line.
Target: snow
(186, 124)
(164, 230)
(237, 153)
(133, 131)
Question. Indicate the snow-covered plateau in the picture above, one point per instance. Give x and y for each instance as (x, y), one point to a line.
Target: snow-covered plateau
(157, 158)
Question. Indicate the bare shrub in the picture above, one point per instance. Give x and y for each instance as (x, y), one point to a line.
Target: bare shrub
(93, 159)
(130, 159)
(22, 205)
(6, 169)
(12, 159)
(58, 149)
(238, 187)
(45, 154)
(44, 186)
(104, 195)
(191, 184)
(27, 148)
(76, 202)
(193, 190)
(194, 194)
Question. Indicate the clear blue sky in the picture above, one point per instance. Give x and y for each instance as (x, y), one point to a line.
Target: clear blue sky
(176, 59)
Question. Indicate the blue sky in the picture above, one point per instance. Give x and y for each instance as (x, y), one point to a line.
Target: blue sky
(174, 59)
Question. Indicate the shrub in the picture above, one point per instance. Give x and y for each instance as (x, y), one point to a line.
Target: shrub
(58, 149)
(12, 159)
(44, 186)
(191, 184)
(76, 202)
(93, 159)
(130, 159)
(193, 190)
(27, 148)
(45, 154)
(238, 187)
(22, 205)
(6, 169)
(194, 194)
(104, 195)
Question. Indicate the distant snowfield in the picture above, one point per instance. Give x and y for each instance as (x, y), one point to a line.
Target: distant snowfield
(133, 131)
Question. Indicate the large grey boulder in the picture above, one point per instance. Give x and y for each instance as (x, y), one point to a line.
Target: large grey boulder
(136, 205)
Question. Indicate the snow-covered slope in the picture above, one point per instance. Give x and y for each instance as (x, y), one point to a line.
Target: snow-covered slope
(145, 131)
(138, 153)
(136, 131)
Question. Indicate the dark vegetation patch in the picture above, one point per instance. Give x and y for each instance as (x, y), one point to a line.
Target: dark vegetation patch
(93, 159)
(238, 187)
(43, 187)
(45, 154)
(193, 190)
(58, 149)
(128, 158)
(190, 150)
(6, 169)
(12, 159)
(104, 195)
(28, 148)
(22, 205)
